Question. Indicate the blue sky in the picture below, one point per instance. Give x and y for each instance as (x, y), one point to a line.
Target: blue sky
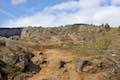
(20, 13)
(27, 8)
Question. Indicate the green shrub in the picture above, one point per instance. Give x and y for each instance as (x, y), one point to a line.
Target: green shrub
(103, 43)
(107, 27)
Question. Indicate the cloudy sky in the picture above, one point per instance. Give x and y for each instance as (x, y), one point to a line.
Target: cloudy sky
(19, 13)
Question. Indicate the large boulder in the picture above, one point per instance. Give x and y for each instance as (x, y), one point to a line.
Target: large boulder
(16, 63)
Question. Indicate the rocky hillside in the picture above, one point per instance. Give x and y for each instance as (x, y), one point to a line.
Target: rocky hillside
(71, 52)
(78, 35)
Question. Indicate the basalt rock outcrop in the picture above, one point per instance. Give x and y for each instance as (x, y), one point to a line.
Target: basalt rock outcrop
(15, 61)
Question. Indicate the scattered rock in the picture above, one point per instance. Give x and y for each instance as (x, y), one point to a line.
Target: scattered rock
(81, 64)
(41, 53)
(15, 38)
(2, 43)
(32, 68)
(62, 64)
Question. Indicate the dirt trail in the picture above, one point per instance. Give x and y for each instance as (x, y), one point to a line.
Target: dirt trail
(51, 70)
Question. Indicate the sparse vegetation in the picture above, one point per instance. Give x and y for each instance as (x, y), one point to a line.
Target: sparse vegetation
(71, 49)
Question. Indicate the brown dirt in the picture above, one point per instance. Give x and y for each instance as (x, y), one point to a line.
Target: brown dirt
(52, 72)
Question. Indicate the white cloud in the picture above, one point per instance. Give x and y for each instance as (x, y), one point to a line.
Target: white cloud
(108, 15)
(16, 2)
(59, 14)
(68, 5)
(87, 4)
(116, 2)
(35, 20)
